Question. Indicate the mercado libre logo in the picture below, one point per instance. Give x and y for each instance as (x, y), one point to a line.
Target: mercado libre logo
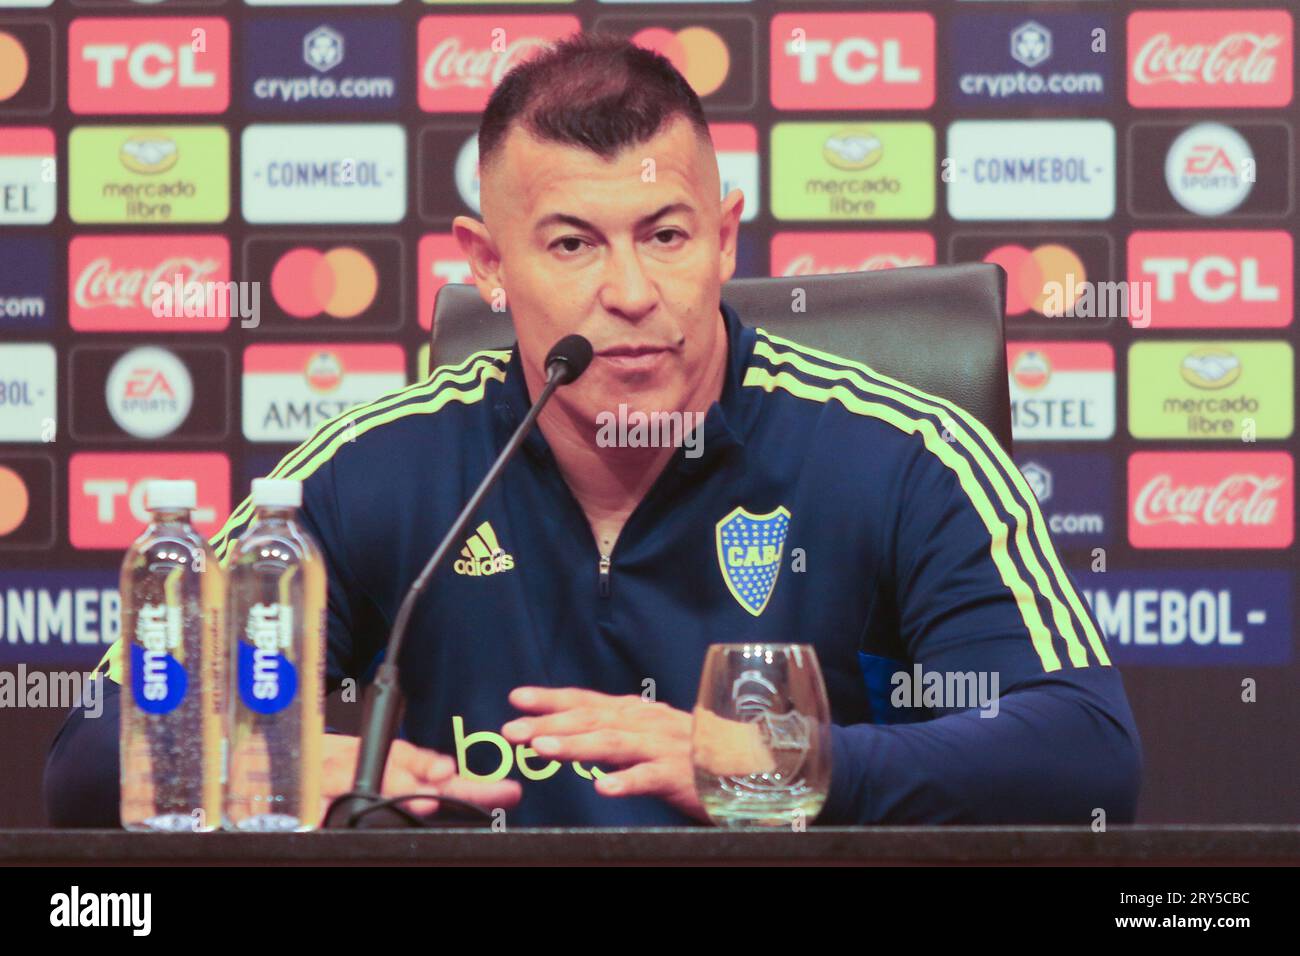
(833, 171)
(149, 175)
(1222, 389)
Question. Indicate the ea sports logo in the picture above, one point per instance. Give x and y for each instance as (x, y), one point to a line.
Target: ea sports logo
(1210, 169)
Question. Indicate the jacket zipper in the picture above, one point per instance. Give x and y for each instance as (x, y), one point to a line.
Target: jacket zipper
(604, 576)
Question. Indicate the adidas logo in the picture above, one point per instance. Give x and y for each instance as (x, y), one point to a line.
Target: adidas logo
(483, 554)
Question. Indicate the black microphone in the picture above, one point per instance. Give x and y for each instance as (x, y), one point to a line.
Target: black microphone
(567, 360)
(574, 352)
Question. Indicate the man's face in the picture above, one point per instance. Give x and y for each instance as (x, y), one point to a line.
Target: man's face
(630, 253)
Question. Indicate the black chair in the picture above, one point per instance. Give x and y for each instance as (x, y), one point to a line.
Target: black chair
(937, 328)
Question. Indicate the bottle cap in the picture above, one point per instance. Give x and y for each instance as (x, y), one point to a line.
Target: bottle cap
(170, 495)
(277, 493)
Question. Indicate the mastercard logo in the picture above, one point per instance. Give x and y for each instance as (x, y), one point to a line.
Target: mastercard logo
(699, 54)
(1034, 274)
(13, 66)
(14, 500)
(341, 282)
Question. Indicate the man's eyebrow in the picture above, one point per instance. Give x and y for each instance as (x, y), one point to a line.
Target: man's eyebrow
(560, 218)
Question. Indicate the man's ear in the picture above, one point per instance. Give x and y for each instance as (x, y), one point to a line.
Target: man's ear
(733, 204)
(484, 259)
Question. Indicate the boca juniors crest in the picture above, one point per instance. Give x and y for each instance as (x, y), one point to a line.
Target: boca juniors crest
(749, 553)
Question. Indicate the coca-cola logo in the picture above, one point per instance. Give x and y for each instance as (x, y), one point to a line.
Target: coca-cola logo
(1241, 57)
(1224, 58)
(451, 65)
(1238, 499)
(806, 265)
(101, 283)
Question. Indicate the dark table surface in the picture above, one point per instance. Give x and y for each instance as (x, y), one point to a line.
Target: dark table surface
(1161, 845)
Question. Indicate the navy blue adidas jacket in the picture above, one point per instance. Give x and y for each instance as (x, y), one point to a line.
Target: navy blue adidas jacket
(911, 540)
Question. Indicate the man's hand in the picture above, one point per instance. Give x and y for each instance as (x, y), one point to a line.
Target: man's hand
(651, 742)
(411, 769)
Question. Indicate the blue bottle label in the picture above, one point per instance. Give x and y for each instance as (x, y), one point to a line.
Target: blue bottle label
(158, 680)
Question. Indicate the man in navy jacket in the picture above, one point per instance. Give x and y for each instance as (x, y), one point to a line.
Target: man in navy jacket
(551, 669)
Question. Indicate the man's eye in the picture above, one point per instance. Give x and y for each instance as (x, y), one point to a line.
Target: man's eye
(569, 244)
(668, 236)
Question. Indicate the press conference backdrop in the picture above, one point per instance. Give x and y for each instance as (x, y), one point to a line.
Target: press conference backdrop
(1131, 165)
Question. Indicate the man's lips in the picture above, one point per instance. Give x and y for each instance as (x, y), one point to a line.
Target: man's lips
(634, 358)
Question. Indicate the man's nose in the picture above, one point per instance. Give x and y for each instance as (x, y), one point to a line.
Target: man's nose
(627, 289)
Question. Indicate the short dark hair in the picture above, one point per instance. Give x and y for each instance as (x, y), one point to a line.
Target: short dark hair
(595, 90)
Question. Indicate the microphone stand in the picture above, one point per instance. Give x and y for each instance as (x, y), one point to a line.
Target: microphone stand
(384, 696)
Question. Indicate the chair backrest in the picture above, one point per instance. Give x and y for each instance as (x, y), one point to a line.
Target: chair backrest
(937, 328)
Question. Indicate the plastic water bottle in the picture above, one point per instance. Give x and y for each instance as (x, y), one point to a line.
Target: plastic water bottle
(173, 670)
(277, 627)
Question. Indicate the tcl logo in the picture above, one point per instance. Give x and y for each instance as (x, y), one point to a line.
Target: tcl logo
(111, 280)
(146, 65)
(832, 61)
(106, 494)
(1210, 499)
(1227, 58)
(441, 261)
(1215, 279)
(462, 59)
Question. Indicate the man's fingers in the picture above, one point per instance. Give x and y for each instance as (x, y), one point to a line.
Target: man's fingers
(607, 745)
(501, 794)
(423, 765)
(544, 700)
(578, 721)
(652, 777)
